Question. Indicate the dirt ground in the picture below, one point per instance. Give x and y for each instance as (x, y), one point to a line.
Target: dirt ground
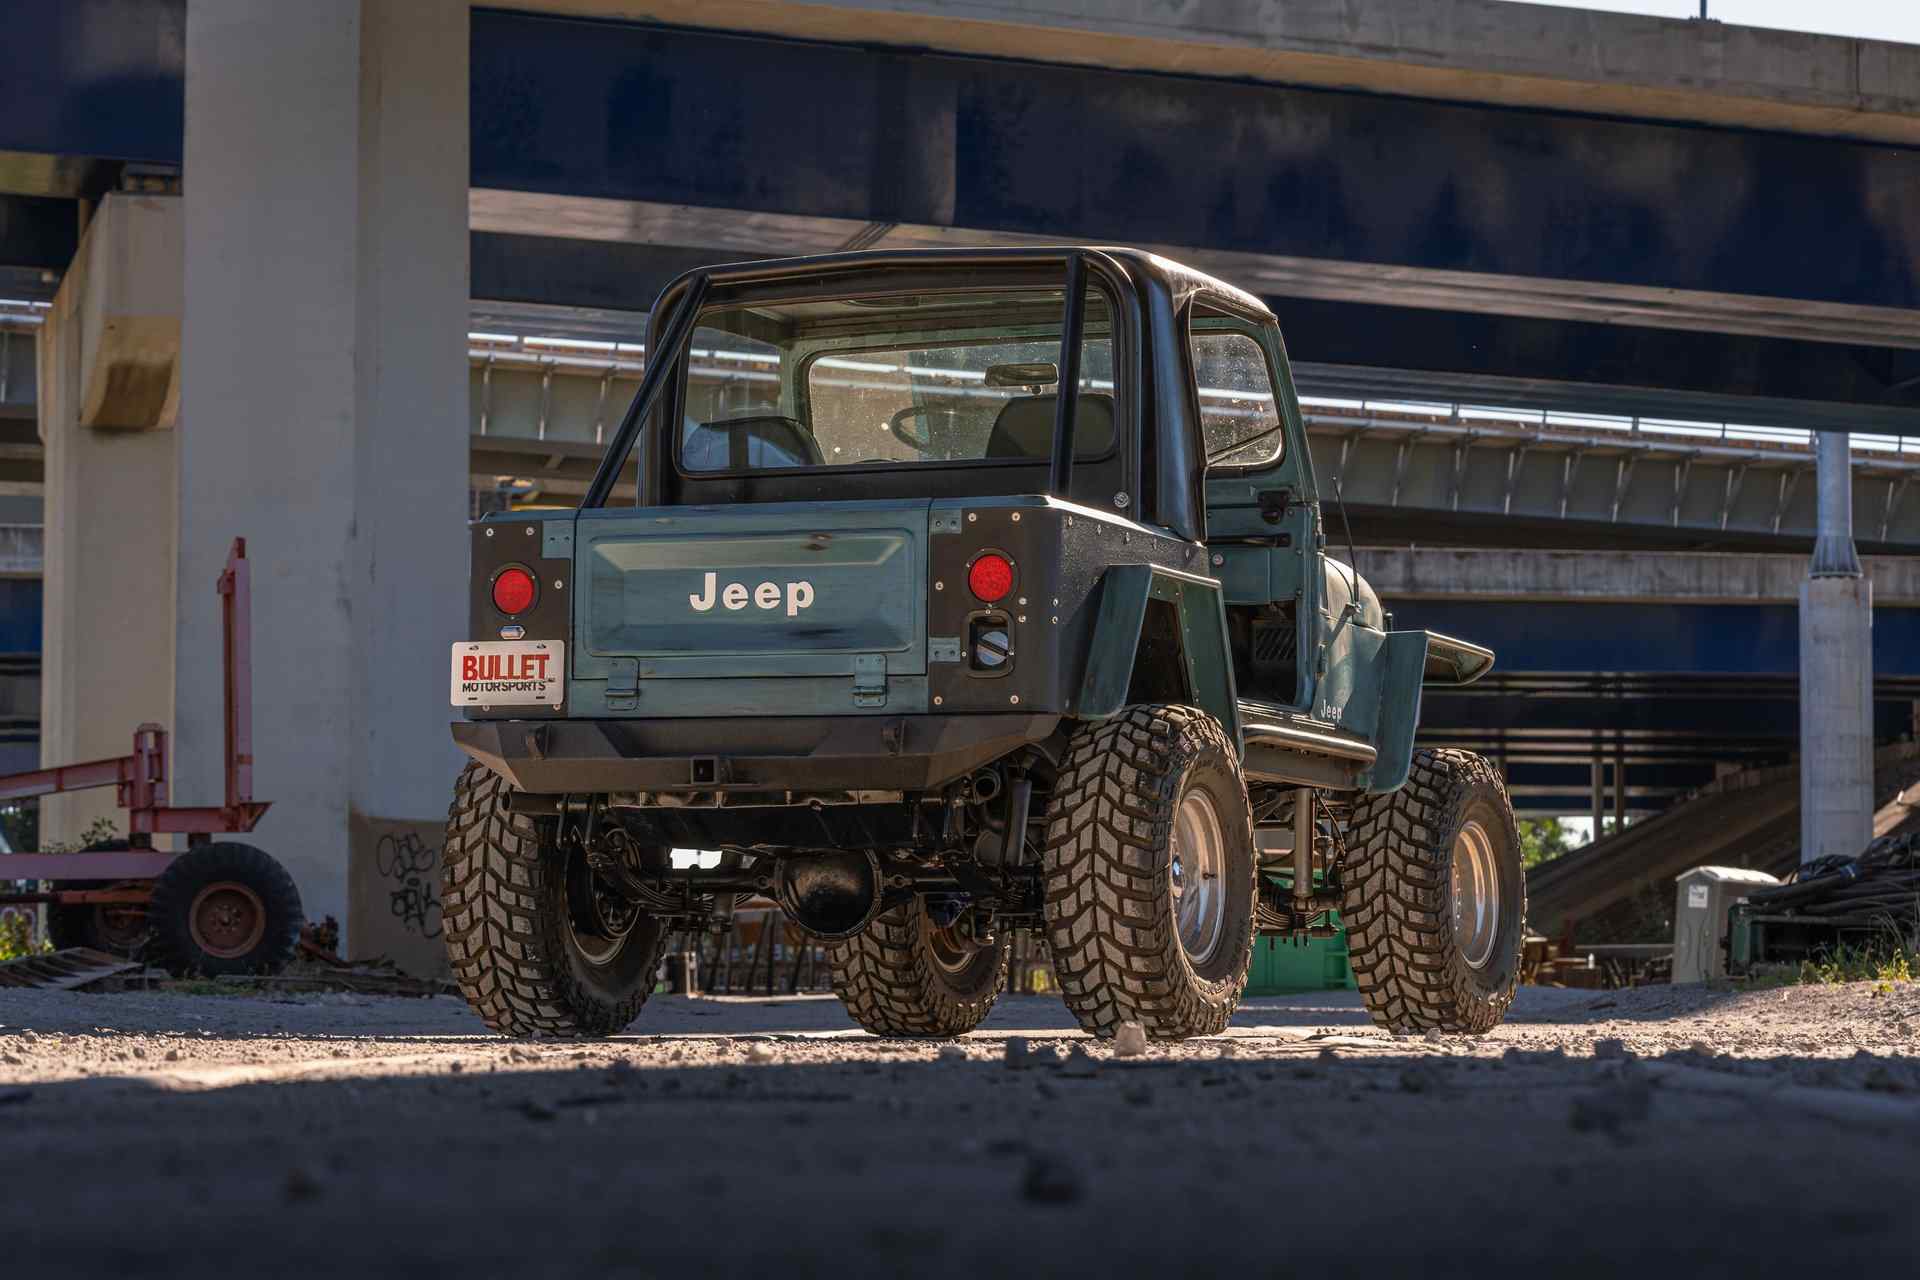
(1680, 1130)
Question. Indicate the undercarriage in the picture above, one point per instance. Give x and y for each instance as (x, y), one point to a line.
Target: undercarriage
(832, 860)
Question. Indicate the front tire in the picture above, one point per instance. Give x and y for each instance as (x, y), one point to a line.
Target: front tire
(903, 975)
(1436, 898)
(1150, 874)
(516, 940)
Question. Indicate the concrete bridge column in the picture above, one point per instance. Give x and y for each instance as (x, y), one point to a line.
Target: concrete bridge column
(326, 174)
(1836, 672)
(108, 406)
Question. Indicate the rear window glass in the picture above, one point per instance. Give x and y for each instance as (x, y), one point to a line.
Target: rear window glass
(902, 380)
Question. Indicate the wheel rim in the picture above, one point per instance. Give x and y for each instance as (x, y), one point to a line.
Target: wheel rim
(949, 951)
(120, 927)
(1196, 868)
(599, 920)
(227, 920)
(1476, 895)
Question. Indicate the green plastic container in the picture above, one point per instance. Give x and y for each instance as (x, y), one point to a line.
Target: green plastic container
(1283, 967)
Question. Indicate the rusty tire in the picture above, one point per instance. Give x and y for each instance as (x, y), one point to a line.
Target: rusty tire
(514, 949)
(224, 908)
(1112, 907)
(903, 976)
(120, 931)
(1416, 960)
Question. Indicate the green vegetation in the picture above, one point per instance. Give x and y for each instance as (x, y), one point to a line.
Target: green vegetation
(1883, 965)
(1542, 839)
(16, 934)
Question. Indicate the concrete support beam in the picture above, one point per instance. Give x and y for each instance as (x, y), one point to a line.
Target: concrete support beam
(326, 303)
(1650, 577)
(109, 354)
(1836, 675)
(1476, 50)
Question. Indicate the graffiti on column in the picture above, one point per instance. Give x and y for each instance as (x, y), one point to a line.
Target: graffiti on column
(410, 865)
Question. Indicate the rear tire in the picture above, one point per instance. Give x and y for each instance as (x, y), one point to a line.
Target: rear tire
(1436, 899)
(515, 949)
(224, 908)
(904, 976)
(119, 931)
(1141, 929)
(116, 930)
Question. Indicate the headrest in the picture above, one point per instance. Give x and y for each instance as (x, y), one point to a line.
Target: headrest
(736, 443)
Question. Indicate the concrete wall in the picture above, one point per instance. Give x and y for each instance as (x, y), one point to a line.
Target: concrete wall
(326, 302)
(108, 357)
(1466, 50)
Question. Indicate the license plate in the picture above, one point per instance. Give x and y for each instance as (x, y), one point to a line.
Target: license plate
(509, 673)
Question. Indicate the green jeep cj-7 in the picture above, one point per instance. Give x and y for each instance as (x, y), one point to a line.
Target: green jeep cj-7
(949, 593)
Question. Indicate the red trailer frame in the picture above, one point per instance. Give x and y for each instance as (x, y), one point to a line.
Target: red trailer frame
(140, 779)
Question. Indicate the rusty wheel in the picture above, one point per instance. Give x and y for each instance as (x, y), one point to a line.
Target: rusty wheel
(117, 928)
(227, 919)
(224, 908)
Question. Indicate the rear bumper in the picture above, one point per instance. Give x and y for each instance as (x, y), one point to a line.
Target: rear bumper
(796, 753)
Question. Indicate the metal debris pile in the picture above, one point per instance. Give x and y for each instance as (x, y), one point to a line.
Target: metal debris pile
(74, 969)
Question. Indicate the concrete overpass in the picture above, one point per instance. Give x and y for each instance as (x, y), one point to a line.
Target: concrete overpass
(1458, 200)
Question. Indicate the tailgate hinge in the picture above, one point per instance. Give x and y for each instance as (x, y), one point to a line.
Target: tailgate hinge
(870, 680)
(623, 684)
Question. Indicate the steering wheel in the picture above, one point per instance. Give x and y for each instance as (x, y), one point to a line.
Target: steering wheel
(897, 424)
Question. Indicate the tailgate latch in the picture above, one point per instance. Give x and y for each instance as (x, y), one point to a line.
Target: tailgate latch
(870, 680)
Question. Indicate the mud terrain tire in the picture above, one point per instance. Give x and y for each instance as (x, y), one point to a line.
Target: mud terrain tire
(515, 952)
(1419, 959)
(901, 976)
(1115, 880)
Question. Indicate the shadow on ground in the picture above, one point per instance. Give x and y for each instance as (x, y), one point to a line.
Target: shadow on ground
(1280, 1158)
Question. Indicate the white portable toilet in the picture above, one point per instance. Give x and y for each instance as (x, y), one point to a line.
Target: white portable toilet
(1700, 918)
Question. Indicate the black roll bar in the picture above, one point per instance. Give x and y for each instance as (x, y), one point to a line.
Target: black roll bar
(664, 356)
(1066, 398)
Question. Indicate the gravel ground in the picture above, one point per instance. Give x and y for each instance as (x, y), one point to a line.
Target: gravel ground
(1675, 1128)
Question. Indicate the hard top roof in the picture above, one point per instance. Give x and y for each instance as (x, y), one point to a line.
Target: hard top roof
(1181, 281)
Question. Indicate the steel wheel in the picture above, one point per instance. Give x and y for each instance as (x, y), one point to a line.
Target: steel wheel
(1196, 869)
(1476, 895)
(599, 918)
(227, 919)
(948, 950)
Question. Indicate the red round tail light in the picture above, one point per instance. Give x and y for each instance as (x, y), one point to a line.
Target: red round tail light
(513, 590)
(990, 577)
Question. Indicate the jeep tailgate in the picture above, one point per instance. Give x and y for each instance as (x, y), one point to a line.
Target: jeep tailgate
(772, 609)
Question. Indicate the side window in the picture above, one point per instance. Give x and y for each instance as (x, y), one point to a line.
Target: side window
(736, 415)
(1239, 417)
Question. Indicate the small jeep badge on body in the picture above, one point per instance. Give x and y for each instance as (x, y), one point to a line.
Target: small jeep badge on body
(798, 595)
